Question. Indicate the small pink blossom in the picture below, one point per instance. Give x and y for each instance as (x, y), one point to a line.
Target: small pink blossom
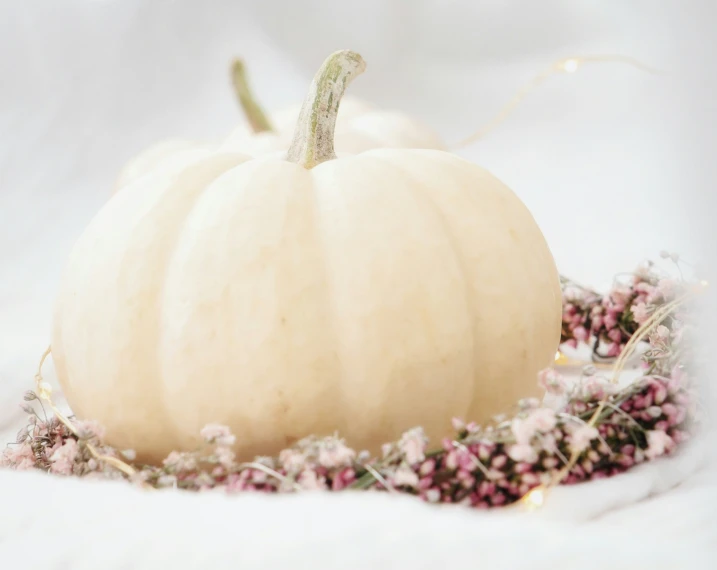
(549, 443)
(218, 434)
(432, 495)
(551, 381)
(662, 333)
(335, 453)
(309, 480)
(89, 429)
(580, 439)
(20, 457)
(596, 387)
(499, 462)
(523, 431)
(580, 333)
(543, 419)
(523, 452)
(640, 313)
(666, 287)
(658, 443)
(292, 460)
(621, 294)
(413, 445)
(63, 460)
(180, 461)
(610, 321)
(166, 481)
(615, 335)
(405, 477)
(613, 349)
(225, 456)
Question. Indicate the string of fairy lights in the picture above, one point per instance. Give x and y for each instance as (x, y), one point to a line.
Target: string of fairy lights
(537, 496)
(569, 65)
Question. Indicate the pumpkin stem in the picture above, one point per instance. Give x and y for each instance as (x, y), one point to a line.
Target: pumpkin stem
(252, 111)
(313, 141)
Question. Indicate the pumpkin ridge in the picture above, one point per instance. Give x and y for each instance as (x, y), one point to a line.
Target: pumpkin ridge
(420, 188)
(531, 351)
(301, 211)
(320, 240)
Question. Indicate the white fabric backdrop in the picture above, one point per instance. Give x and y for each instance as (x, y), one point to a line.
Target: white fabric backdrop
(598, 157)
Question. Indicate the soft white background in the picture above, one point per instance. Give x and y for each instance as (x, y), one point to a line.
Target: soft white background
(613, 162)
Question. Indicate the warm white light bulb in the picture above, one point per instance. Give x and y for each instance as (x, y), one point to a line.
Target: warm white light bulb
(535, 498)
(571, 65)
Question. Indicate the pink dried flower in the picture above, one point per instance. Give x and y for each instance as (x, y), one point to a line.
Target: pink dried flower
(427, 468)
(166, 481)
(666, 288)
(334, 453)
(609, 321)
(640, 313)
(549, 443)
(225, 456)
(89, 429)
(581, 333)
(432, 495)
(595, 387)
(180, 461)
(613, 349)
(218, 434)
(63, 460)
(615, 335)
(538, 420)
(499, 462)
(413, 445)
(292, 460)
(543, 419)
(580, 438)
(523, 430)
(343, 479)
(405, 477)
(551, 381)
(458, 424)
(523, 452)
(658, 443)
(20, 457)
(309, 480)
(663, 333)
(550, 463)
(621, 294)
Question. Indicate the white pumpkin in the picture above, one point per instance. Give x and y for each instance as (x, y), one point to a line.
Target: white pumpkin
(360, 126)
(305, 294)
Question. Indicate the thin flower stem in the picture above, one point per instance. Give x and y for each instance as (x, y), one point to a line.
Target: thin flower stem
(271, 472)
(475, 460)
(376, 475)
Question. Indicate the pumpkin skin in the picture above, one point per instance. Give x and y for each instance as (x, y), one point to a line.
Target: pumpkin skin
(359, 127)
(362, 295)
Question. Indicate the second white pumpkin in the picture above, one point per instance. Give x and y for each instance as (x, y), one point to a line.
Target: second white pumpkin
(360, 126)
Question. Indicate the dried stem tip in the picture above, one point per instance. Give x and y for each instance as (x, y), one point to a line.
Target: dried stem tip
(313, 141)
(252, 111)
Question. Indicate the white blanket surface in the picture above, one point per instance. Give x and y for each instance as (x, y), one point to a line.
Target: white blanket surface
(85, 84)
